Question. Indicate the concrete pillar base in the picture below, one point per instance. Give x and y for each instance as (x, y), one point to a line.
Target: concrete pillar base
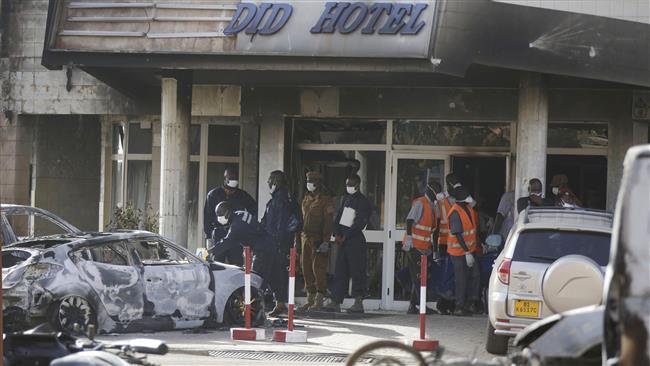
(290, 336)
(244, 334)
(426, 345)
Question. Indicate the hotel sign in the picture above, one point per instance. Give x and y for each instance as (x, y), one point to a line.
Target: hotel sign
(314, 28)
(334, 28)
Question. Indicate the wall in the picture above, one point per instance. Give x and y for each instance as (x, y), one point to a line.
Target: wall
(66, 158)
(27, 88)
(15, 154)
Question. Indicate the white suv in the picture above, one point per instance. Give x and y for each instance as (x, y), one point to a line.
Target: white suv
(554, 260)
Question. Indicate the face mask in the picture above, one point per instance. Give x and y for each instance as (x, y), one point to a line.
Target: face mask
(222, 220)
(272, 189)
(311, 187)
(440, 196)
(351, 190)
(555, 190)
(232, 183)
(470, 201)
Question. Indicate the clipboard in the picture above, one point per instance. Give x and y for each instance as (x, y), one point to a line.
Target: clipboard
(347, 217)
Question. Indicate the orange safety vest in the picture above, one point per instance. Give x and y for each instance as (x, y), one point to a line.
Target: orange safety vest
(443, 233)
(422, 231)
(470, 235)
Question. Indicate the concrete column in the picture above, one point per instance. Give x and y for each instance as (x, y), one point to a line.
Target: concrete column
(532, 125)
(623, 134)
(248, 170)
(105, 172)
(174, 158)
(271, 156)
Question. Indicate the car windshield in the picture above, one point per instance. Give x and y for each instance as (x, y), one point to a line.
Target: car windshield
(545, 246)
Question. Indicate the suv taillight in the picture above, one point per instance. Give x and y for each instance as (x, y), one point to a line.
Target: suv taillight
(504, 271)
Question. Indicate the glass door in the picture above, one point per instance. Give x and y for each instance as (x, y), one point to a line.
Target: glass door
(409, 174)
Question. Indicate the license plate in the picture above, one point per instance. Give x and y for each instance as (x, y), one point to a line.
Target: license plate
(527, 308)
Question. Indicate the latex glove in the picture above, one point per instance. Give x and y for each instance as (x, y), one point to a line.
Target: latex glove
(407, 244)
(324, 247)
(469, 258)
(436, 256)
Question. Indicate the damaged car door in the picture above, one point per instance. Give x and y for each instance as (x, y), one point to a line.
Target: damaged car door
(118, 284)
(177, 285)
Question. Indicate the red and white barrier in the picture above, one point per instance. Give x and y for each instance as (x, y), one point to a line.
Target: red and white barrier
(247, 333)
(424, 344)
(290, 335)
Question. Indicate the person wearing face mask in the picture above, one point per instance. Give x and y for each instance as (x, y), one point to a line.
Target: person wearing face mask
(282, 220)
(463, 245)
(243, 229)
(318, 215)
(567, 199)
(421, 231)
(560, 182)
(239, 200)
(351, 257)
(535, 196)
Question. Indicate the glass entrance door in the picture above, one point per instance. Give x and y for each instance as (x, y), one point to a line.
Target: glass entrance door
(409, 174)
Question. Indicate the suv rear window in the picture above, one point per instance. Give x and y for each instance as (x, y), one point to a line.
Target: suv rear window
(545, 246)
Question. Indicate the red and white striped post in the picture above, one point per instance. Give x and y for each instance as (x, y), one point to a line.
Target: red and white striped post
(424, 344)
(247, 333)
(290, 335)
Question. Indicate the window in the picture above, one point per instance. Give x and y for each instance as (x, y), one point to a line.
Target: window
(213, 148)
(340, 132)
(114, 253)
(545, 246)
(335, 166)
(578, 135)
(132, 164)
(223, 140)
(436, 133)
(156, 251)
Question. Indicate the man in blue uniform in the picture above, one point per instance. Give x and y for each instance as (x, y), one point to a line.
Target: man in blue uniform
(282, 219)
(239, 200)
(351, 257)
(243, 230)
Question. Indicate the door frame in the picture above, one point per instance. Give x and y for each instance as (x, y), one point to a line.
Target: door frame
(393, 234)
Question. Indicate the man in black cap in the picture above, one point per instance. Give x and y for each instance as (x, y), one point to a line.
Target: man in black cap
(238, 200)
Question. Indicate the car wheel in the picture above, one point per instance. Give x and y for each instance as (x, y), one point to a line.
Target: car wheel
(234, 311)
(495, 344)
(73, 310)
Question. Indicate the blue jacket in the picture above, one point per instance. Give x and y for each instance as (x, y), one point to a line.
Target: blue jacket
(361, 206)
(244, 230)
(239, 201)
(278, 220)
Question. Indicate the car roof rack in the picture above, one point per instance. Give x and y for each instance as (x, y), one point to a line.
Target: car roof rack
(569, 216)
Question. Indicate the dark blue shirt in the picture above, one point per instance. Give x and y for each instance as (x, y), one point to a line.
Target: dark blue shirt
(277, 218)
(360, 204)
(239, 201)
(244, 230)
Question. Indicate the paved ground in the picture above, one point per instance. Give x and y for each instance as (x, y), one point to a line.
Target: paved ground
(460, 336)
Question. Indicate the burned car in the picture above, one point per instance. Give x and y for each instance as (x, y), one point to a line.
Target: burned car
(121, 282)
